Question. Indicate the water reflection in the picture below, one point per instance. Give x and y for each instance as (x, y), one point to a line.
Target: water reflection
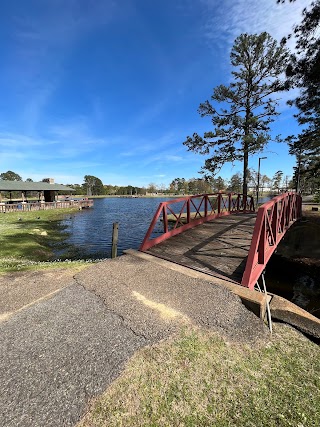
(91, 229)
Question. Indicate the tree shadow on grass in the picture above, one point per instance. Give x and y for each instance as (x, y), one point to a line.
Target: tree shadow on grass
(34, 239)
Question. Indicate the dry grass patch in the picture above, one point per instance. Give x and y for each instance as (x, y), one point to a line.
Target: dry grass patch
(197, 379)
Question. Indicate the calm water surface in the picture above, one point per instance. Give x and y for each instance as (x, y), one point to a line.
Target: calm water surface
(91, 229)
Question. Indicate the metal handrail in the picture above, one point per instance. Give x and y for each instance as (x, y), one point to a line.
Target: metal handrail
(273, 220)
(193, 210)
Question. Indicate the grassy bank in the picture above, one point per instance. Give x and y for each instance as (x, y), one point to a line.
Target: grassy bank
(28, 239)
(196, 379)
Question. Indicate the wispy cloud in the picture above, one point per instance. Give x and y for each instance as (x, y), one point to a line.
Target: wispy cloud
(145, 146)
(148, 115)
(61, 149)
(76, 132)
(172, 158)
(226, 21)
(223, 23)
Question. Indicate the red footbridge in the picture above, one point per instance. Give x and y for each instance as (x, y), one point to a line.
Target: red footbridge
(221, 234)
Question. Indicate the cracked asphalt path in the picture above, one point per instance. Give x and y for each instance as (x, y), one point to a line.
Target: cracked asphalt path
(67, 338)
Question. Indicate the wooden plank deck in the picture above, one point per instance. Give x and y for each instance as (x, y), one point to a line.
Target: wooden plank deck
(219, 247)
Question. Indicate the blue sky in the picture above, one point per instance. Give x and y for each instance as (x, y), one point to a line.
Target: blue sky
(111, 88)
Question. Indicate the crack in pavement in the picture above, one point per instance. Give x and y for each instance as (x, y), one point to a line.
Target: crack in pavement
(110, 310)
(57, 355)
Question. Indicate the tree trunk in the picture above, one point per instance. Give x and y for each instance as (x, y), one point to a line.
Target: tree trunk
(246, 144)
(245, 170)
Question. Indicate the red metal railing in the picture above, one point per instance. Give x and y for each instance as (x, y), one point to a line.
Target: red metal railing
(273, 220)
(183, 213)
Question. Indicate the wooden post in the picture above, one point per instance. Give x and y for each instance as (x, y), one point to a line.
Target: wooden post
(206, 205)
(115, 233)
(188, 211)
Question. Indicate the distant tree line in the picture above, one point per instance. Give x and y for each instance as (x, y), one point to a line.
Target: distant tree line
(93, 186)
(278, 183)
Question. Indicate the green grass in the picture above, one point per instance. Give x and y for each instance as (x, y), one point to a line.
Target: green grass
(197, 379)
(28, 239)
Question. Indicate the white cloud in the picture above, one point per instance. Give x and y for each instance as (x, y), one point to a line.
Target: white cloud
(227, 20)
(76, 133)
(173, 158)
(284, 97)
(143, 146)
(62, 145)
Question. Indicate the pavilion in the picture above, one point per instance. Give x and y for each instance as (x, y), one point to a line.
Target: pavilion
(47, 191)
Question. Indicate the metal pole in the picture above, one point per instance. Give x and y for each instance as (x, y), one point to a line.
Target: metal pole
(268, 306)
(298, 174)
(260, 158)
(115, 233)
(258, 181)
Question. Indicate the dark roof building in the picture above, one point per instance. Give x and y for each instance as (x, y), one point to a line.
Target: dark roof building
(47, 190)
(32, 186)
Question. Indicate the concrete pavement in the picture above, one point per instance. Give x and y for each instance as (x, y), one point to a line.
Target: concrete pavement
(63, 341)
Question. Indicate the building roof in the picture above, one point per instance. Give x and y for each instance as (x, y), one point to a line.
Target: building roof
(31, 186)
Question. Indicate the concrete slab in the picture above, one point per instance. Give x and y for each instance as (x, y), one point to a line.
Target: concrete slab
(253, 300)
(281, 309)
(286, 311)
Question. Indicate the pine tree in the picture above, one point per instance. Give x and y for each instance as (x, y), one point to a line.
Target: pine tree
(241, 126)
(303, 72)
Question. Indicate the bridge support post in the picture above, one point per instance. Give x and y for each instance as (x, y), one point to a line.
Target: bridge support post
(115, 233)
(165, 219)
(188, 211)
(267, 300)
(206, 205)
(244, 202)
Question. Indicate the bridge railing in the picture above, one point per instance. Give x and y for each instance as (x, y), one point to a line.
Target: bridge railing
(273, 220)
(177, 215)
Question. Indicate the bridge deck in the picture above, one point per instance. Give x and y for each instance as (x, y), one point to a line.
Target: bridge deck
(218, 247)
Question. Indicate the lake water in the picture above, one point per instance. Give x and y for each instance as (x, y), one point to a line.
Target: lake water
(91, 229)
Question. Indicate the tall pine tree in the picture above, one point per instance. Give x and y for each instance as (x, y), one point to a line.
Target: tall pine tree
(241, 125)
(303, 72)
